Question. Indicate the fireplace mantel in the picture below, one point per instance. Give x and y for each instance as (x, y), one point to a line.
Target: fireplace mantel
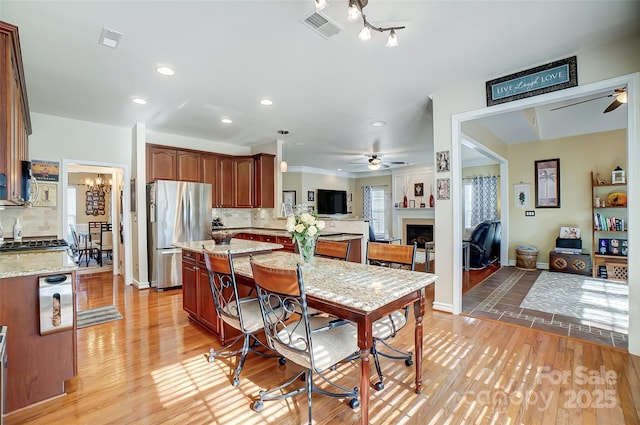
(401, 216)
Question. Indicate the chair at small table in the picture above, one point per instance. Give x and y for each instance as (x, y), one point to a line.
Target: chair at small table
(337, 250)
(315, 343)
(397, 256)
(242, 314)
(105, 242)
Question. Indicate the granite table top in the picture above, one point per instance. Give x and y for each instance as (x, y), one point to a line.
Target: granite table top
(283, 233)
(13, 264)
(355, 285)
(236, 246)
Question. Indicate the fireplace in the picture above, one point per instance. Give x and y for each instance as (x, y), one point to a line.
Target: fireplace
(419, 233)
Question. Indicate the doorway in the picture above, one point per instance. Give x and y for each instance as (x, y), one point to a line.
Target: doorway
(93, 210)
(632, 129)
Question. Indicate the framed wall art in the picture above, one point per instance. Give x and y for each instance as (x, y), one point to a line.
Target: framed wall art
(547, 176)
(443, 189)
(442, 161)
(310, 195)
(289, 197)
(522, 195)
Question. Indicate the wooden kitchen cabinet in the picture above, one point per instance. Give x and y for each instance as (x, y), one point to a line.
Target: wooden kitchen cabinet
(210, 173)
(244, 182)
(264, 168)
(189, 283)
(38, 365)
(237, 181)
(15, 122)
(188, 166)
(227, 184)
(161, 163)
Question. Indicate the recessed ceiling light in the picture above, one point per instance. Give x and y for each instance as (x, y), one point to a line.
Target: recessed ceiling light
(165, 70)
(299, 143)
(110, 38)
(338, 169)
(139, 101)
(226, 120)
(378, 124)
(266, 102)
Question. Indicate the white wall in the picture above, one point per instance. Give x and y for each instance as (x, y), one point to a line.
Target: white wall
(593, 65)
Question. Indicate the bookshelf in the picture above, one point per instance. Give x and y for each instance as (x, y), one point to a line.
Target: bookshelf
(609, 230)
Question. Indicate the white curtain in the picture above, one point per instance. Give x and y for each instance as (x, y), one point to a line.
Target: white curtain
(484, 199)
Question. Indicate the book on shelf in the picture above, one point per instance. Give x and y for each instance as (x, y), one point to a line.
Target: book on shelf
(610, 224)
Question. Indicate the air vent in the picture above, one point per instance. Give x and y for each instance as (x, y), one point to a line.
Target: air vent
(322, 25)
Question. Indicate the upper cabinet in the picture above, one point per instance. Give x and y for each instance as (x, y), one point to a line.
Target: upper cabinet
(161, 163)
(15, 122)
(237, 181)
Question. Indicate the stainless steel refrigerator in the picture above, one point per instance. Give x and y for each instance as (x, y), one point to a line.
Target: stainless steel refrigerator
(176, 212)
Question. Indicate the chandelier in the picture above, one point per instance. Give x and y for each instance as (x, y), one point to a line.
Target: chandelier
(355, 12)
(99, 184)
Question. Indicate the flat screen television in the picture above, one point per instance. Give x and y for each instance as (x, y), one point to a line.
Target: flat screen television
(332, 201)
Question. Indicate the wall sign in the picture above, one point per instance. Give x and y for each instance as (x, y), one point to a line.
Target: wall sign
(547, 78)
(48, 171)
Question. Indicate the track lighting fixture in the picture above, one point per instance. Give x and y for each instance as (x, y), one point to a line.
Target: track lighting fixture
(355, 12)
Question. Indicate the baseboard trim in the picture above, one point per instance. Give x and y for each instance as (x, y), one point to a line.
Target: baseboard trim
(140, 285)
(447, 308)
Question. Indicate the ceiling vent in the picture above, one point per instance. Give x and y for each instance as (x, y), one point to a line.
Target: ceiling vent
(110, 38)
(322, 25)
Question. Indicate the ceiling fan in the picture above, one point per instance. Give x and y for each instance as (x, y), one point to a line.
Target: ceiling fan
(620, 98)
(375, 163)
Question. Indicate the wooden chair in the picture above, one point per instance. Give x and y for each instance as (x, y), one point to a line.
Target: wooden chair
(397, 256)
(315, 343)
(105, 242)
(338, 250)
(242, 314)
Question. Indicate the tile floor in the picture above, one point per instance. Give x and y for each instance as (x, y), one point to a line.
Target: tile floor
(499, 297)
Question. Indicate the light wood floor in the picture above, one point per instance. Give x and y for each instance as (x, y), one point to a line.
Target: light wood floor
(150, 368)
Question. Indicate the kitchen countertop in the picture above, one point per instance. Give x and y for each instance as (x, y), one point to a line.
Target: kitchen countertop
(334, 236)
(13, 264)
(236, 246)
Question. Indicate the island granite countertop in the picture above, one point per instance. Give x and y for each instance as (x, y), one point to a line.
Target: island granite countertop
(13, 264)
(236, 246)
(330, 236)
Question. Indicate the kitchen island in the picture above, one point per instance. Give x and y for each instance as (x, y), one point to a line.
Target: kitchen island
(197, 300)
(39, 361)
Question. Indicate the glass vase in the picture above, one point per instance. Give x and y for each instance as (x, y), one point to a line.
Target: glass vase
(306, 248)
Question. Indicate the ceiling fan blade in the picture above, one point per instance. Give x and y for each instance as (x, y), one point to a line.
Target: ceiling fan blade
(396, 162)
(613, 106)
(578, 103)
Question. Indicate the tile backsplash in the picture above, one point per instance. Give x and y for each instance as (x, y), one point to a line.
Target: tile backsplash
(35, 221)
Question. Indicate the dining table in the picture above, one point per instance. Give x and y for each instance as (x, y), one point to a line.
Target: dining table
(357, 292)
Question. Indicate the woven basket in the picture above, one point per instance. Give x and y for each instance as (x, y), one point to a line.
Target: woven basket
(617, 272)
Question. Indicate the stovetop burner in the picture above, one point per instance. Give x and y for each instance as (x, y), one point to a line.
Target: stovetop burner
(46, 244)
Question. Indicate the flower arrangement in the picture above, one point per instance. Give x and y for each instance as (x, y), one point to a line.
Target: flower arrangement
(305, 228)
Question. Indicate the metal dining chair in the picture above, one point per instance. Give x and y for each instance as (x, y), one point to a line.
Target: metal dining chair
(387, 327)
(315, 343)
(241, 313)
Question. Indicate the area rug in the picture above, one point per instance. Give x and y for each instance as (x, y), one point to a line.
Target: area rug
(582, 297)
(96, 316)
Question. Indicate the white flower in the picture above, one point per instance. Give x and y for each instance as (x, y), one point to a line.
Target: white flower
(305, 218)
(303, 224)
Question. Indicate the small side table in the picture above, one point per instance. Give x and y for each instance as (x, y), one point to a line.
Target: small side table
(570, 263)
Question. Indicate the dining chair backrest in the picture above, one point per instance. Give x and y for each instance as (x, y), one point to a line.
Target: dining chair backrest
(74, 234)
(391, 255)
(224, 289)
(284, 310)
(338, 250)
